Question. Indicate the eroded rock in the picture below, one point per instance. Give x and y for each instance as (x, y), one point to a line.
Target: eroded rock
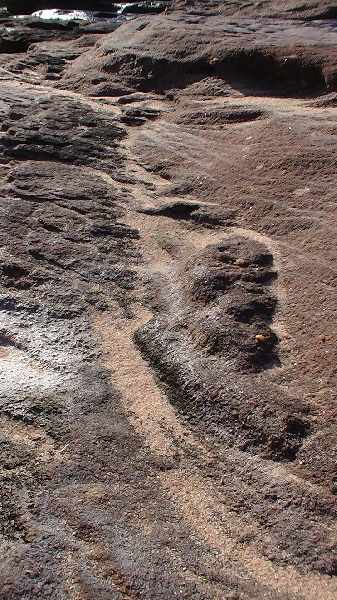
(205, 233)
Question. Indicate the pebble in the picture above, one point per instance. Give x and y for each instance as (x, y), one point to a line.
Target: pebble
(260, 338)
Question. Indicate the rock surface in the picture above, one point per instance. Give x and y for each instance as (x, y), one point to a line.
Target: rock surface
(168, 305)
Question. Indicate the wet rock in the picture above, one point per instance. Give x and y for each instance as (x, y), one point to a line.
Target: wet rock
(64, 131)
(145, 7)
(70, 224)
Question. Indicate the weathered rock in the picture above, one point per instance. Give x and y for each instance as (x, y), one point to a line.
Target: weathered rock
(290, 9)
(61, 130)
(200, 461)
(261, 54)
(228, 315)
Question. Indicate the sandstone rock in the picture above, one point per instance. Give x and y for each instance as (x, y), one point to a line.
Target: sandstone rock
(167, 408)
(237, 50)
(61, 130)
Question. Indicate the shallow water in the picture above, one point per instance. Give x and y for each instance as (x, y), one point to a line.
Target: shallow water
(63, 15)
(81, 15)
(78, 15)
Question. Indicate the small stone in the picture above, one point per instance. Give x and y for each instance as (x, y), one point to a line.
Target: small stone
(240, 262)
(260, 338)
(321, 338)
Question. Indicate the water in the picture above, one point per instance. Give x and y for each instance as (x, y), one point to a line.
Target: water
(85, 15)
(63, 15)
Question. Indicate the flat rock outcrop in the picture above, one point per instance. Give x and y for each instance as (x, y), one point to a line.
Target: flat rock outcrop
(161, 54)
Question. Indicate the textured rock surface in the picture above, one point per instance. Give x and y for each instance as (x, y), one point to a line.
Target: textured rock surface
(310, 9)
(160, 54)
(168, 306)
